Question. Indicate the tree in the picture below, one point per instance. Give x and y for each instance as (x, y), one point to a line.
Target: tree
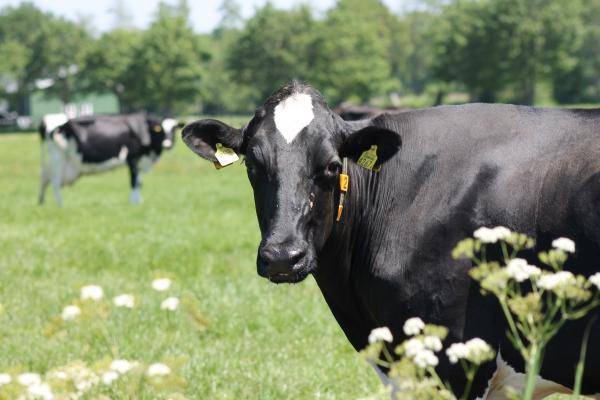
(351, 58)
(582, 82)
(66, 47)
(107, 65)
(274, 47)
(491, 45)
(22, 59)
(166, 72)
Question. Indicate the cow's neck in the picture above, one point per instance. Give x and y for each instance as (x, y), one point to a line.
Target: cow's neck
(348, 255)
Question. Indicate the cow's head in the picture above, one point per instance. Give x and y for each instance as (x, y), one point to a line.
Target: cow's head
(163, 132)
(293, 148)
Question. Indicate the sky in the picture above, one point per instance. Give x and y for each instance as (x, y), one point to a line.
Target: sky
(205, 13)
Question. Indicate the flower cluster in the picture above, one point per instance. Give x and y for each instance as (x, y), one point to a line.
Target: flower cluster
(95, 293)
(382, 334)
(77, 380)
(423, 344)
(519, 270)
(476, 351)
(492, 235)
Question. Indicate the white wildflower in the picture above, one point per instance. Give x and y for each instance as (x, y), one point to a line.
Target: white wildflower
(70, 312)
(519, 270)
(40, 391)
(595, 279)
(492, 235)
(62, 375)
(170, 304)
(161, 284)
(556, 280)
(29, 378)
(501, 232)
(433, 343)
(475, 350)
(5, 379)
(564, 244)
(413, 326)
(382, 334)
(413, 346)
(158, 369)
(457, 351)
(109, 377)
(92, 292)
(124, 300)
(121, 366)
(425, 359)
(486, 235)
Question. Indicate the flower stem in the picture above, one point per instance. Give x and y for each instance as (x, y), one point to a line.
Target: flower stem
(533, 368)
(581, 363)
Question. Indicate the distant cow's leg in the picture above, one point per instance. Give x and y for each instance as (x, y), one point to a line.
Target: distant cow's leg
(44, 174)
(56, 190)
(135, 197)
(44, 181)
(56, 162)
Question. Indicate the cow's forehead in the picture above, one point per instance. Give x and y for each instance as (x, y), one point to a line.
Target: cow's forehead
(292, 114)
(168, 124)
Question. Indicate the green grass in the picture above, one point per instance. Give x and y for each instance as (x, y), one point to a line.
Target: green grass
(197, 226)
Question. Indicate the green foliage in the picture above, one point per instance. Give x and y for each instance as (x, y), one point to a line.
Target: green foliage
(352, 51)
(166, 72)
(66, 47)
(358, 51)
(490, 45)
(274, 47)
(109, 61)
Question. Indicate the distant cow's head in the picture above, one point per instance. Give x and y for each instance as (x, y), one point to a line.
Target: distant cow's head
(293, 148)
(163, 132)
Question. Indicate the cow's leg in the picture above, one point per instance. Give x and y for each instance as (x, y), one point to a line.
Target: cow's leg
(56, 163)
(44, 181)
(56, 190)
(135, 197)
(44, 174)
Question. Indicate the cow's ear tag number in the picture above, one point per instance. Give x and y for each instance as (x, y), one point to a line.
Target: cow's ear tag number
(368, 158)
(157, 128)
(225, 156)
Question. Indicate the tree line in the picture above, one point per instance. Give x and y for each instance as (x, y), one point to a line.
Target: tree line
(358, 50)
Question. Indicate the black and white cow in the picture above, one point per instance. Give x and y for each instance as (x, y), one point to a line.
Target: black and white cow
(445, 171)
(93, 144)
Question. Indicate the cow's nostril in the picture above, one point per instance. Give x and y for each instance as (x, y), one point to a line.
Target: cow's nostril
(296, 256)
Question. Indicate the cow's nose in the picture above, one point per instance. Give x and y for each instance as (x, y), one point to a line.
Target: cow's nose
(280, 260)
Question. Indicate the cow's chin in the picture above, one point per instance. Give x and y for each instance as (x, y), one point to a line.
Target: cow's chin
(298, 275)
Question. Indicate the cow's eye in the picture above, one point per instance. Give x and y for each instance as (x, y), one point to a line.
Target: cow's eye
(329, 173)
(334, 168)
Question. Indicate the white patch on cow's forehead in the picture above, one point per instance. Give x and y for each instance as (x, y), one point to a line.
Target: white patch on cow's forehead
(168, 124)
(293, 114)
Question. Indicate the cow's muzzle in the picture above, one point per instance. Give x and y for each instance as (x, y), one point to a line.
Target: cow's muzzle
(167, 144)
(282, 263)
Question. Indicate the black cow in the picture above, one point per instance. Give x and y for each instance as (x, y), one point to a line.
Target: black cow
(93, 144)
(444, 172)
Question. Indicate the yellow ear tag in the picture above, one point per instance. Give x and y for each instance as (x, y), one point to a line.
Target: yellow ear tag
(157, 128)
(344, 179)
(368, 158)
(225, 156)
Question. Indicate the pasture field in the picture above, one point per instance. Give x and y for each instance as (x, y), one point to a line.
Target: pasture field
(196, 226)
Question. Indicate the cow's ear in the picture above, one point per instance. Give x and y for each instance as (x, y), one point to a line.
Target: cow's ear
(202, 137)
(358, 141)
